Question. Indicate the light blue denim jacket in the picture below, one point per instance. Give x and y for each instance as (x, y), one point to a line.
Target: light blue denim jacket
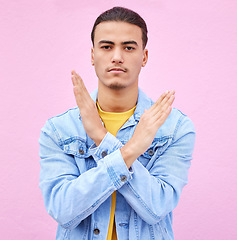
(77, 178)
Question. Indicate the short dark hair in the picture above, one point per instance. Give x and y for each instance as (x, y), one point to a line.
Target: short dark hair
(121, 14)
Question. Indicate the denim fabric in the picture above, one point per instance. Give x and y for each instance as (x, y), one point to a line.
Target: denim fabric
(77, 178)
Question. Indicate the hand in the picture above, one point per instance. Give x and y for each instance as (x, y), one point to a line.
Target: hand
(88, 110)
(150, 121)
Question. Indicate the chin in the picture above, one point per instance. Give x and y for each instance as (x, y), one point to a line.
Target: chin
(116, 86)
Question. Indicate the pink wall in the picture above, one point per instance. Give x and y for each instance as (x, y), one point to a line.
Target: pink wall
(192, 49)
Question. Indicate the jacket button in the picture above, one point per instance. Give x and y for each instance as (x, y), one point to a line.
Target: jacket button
(81, 151)
(96, 231)
(104, 153)
(150, 152)
(123, 178)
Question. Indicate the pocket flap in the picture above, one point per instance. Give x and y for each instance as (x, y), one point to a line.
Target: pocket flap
(158, 146)
(77, 148)
(156, 149)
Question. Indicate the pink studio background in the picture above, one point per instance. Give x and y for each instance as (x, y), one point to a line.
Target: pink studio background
(192, 48)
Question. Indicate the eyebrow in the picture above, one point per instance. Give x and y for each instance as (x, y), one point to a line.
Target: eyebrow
(123, 43)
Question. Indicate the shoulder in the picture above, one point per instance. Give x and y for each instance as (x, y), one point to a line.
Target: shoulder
(177, 124)
(66, 126)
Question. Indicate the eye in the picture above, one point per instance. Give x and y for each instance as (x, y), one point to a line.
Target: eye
(129, 48)
(106, 47)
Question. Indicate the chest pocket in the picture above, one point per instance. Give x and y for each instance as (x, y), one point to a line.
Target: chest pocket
(79, 150)
(156, 149)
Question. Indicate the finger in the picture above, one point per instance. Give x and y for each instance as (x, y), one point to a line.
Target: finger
(73, 77)
(76, 79)
(171, 100)
(164, 98)
(159, 100)
(167, 104)
(78, 83)
(163, 116)
(167, 97)
(163, 109)
(80, 92)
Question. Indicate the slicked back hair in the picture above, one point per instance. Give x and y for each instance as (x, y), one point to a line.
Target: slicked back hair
(121, 14)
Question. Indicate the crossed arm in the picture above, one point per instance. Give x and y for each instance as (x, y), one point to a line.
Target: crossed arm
(149, 123)
(64, 188)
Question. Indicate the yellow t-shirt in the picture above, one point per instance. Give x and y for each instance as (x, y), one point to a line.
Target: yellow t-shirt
(113, 122)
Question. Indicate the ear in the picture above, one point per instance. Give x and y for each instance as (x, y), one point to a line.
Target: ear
(92, 56)
(145, 57)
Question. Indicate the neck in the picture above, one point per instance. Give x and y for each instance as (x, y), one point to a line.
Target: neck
(117, 100)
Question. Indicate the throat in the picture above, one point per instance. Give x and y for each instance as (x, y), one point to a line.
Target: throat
(117, 101)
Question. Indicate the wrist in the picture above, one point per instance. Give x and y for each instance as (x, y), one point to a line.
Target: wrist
(129, 153)
(99, 136)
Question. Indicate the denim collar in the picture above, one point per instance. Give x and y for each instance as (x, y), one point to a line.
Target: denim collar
(143, 102)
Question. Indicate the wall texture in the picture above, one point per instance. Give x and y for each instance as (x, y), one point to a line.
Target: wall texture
(192, 48)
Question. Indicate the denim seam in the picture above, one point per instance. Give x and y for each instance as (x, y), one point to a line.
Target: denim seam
(112, 175)
(56, 133)
(135, 223)
(162, 230)
(152, 232)
(66, 141)
(71, 109)
(177, 126)
(157, 218)
(116, 146)
(71, 139)
(86, 230)
(102, 199)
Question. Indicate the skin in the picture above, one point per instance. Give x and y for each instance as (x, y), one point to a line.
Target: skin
(117, 52)
(118, 57)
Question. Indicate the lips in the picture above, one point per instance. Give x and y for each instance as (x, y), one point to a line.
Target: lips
(116, 69)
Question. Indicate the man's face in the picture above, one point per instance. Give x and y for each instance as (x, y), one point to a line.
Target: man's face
(118, 54)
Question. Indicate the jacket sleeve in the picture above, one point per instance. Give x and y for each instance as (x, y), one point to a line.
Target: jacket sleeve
(155, 192)
(70, 195)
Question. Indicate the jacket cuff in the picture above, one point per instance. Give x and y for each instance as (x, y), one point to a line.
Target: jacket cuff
(108, 145)
(117, 169)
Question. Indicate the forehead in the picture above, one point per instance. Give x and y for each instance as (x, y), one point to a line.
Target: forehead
(117, 32)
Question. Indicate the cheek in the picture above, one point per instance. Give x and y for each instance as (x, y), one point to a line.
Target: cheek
(138, 59)
(137, 64)
(99, 61)
(99, 68)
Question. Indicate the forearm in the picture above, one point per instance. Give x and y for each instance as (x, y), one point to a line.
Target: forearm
(70, 199)
(155, 188)
(70, 195)
(149, 123)
(153, 196)
(130, 153)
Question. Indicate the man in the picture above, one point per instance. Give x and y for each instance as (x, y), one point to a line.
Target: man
(115, 166)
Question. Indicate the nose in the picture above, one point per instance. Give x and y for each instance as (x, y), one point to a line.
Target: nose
(117, 56)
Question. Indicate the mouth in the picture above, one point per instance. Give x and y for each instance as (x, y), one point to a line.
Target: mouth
(117, 70)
